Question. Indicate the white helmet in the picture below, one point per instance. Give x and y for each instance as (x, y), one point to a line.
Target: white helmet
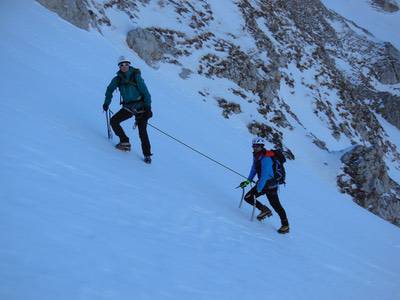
(258, 141)
(123, 59)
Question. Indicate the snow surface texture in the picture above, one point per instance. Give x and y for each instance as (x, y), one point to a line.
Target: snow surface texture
(79, 220)
(381, 24)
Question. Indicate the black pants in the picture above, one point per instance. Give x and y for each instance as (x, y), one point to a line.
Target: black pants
(272, 195)
(141, 121)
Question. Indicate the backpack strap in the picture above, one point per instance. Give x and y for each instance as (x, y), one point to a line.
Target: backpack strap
(131, 80)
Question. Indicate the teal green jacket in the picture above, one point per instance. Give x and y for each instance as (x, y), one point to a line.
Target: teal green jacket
(133, 92)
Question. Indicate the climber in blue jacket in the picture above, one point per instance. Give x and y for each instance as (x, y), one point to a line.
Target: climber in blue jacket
(266, 184)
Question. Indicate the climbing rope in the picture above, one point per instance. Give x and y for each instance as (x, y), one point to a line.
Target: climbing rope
(197, 151)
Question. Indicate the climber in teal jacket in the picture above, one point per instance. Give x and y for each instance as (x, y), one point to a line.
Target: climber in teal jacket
(135, 101)
(133, 90)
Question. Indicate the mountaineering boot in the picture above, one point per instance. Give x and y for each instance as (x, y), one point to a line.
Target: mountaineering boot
(284, 229)
(124, 146)
(265, 212)
(147, 159)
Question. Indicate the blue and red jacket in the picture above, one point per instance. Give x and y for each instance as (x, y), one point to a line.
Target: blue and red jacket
(263, 167)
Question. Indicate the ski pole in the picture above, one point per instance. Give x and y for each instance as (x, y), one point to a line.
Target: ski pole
(254, 202)
(254, 205)
(254, 208)
(109, 132)
(241, 199)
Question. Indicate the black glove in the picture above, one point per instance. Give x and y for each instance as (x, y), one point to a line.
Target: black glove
(105, 107)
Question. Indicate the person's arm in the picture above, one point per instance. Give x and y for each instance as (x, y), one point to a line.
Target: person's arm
(249, 179)
(267, 173)
(252, 172)
(110, 90)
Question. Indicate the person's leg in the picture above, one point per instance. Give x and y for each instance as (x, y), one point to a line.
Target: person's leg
(273, 199)
(144, 138)
(251, 196)
(115, 122)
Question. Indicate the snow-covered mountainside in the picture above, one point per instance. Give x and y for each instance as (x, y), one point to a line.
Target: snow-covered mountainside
(298, 63)
(79, 220)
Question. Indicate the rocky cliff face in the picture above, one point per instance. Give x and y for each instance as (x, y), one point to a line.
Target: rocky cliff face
(351, 78)
(84, 14)
(386, 5)
(364, 176)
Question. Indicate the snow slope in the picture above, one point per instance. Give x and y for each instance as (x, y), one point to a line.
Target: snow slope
(383, 25)
(79, 220)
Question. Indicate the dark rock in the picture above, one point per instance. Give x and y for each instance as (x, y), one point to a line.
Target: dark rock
(77, 12)
(365, 178)
(229, 108)
(387, 68)
(386, 5)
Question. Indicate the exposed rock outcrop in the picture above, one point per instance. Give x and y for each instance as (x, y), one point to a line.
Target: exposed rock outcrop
(386, 5)
(81, 13)
(147, 45)
(387, 67)
(365, 178)
(228, 108)
(390, 108)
